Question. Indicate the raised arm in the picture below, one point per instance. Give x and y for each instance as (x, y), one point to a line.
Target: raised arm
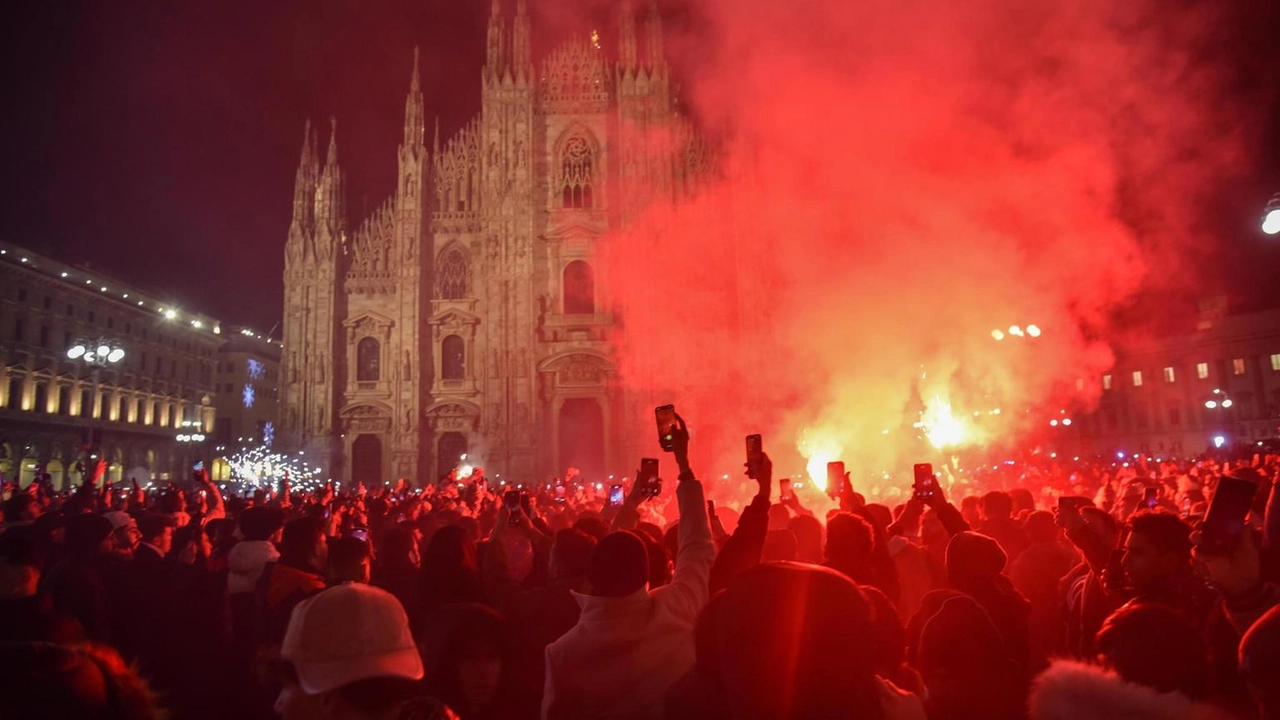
(744, 547)
(688, 591)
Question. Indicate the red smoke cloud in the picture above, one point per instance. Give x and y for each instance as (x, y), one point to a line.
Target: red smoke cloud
(899, 179)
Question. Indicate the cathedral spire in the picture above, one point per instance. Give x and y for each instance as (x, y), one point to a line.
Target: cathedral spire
(495, 57)
(332, 159)
(413, 118)
(435, 147)
(304, 184)
(330, 204)
(627, 37)
(521, 55)
(656, 56)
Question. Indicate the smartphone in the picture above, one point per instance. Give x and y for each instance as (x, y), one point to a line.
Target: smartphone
(359, 533)
(754, 450)
(526, 505)
(648, 479)
(835, 478)
(926, 484)
(1224, 523)
(1151, 498)
(511, 500)
(616, 496)
(198, 466)
(785, 493)
(560, 492)
(1072, 502)
(666, 417)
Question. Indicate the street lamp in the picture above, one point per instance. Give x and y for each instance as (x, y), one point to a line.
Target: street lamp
(96, 355)
(1218, 399)
(1271, 216)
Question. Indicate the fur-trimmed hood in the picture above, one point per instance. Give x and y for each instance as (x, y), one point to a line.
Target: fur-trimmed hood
(1070, 690)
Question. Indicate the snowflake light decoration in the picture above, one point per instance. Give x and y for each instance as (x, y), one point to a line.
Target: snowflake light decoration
(249, 395)
(268, 433)
(257, 370)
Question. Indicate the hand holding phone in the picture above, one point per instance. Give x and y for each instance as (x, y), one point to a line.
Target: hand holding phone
(1224, 523)
(755, 449)
(837, 478)
(648, 484)
(785, 493)
(925, 487)
(666, 419)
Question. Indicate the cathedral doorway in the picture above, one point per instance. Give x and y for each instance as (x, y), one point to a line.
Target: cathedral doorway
(366, 460)
(582, 437)
(452, 447)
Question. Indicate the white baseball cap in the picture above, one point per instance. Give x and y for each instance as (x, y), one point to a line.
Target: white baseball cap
(347, 633)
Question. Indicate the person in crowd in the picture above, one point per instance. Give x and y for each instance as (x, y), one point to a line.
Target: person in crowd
(349, 560)
(450, 572)
(398, 570)
(467, 653)
(1153, 665)
(998, 523)
(78, 584)
(1086, 601)
(155, 537)
(348, 654)
(47, 681)
(261, 527)
(816, 619)
(304, 552)
(965, 662)
(26, 614)
(125, 535)
(809, 538)
(621, 618)
(1036, 574)
(1260, 663)
(975, 567)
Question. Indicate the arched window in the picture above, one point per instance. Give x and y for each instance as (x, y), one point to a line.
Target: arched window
(577, 173)
(368, 360)
(453, 358)
(452, 275)
(579, 289)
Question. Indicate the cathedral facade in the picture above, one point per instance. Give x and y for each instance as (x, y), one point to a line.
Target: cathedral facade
(469, 314)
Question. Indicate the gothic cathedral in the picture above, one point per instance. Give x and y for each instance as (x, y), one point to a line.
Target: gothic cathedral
(467, 314)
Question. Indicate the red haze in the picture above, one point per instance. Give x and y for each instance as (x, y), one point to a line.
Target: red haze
(898, 179)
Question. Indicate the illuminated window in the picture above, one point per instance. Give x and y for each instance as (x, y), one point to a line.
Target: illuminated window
(1275, 362)
(577, 173)
(1237, 366)
(579, 289)
(1137, 378)
(1168, 375)
(1202, 370)
(1106, 382)
(453, 358)
(368, 358)
(452, 275)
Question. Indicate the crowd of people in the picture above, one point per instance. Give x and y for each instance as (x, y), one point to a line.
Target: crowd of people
(470, 601)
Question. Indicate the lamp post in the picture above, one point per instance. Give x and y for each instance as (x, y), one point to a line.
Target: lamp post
(96, 355)
(1271, 216)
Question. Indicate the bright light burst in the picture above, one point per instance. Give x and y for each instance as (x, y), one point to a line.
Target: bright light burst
(941, 427)
(261, 466)
(820, 448)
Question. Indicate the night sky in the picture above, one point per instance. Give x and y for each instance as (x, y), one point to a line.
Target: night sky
(157, 141)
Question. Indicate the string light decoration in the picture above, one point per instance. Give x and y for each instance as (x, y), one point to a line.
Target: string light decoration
(260, 466)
